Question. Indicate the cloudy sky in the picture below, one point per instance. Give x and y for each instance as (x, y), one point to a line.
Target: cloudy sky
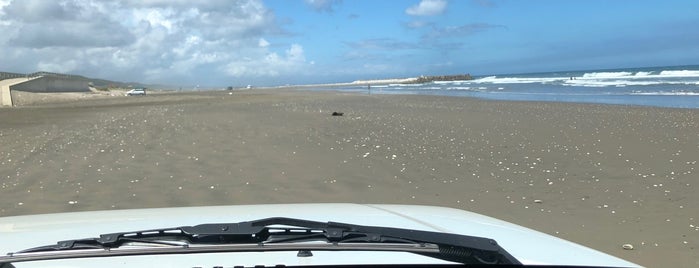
(275, 42)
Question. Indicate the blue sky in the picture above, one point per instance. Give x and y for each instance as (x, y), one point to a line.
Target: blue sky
(275, 42)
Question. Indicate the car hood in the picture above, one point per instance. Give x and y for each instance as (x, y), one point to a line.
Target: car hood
(528, 246)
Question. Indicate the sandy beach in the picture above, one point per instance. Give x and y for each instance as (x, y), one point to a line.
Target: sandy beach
(598, 175)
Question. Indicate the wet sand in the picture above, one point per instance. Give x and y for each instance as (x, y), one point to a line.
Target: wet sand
(599, 175)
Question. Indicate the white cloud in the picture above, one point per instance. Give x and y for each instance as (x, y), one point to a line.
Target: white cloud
(41, 24)
(184, 48)
(3, 3)
(295, 53)
(160, 18)
(153, 41)
(427, 8)
(266, 63)
(63, 67)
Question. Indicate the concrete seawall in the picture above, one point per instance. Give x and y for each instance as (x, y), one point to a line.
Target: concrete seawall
(53, 84)
(42, 84)
(5, 90)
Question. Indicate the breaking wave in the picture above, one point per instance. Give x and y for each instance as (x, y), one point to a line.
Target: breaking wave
(600, 79)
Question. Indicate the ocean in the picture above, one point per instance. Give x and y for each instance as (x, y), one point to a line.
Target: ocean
(676, 86)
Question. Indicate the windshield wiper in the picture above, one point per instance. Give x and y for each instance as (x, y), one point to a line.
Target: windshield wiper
(274, 234)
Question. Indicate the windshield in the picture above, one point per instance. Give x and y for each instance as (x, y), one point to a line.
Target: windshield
(575, 118)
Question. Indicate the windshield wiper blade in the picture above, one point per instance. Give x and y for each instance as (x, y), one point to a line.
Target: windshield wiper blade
(271, 231)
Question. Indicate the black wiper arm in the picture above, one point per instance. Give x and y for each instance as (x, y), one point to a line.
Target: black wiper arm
(452, 247)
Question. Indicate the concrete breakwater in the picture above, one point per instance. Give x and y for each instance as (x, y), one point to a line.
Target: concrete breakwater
(414, 80)
(426, 79)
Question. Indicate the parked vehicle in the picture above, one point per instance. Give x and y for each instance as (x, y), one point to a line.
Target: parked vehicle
(136, 92)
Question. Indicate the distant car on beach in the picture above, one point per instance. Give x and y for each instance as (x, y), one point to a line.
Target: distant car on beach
(136, 92)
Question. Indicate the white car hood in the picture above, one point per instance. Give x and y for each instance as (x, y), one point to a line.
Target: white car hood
(528, 246)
